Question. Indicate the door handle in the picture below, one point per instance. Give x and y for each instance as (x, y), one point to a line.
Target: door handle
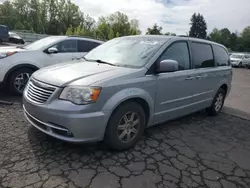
(189, 78)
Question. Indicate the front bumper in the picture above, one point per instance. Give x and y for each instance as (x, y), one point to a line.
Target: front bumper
(235, 64)
(67, 125)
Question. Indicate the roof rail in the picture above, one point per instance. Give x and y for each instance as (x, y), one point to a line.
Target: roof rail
(182, 36)
(80, 36)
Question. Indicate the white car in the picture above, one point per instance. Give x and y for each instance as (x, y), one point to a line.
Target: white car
(18, 63)
(240, 59)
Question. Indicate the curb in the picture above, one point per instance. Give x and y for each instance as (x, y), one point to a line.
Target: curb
(235, 112)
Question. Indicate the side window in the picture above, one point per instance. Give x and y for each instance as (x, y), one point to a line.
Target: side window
(67, 46)
(202, 55)
(247, 56)
(86, 46)
(221, 56)
(179, 52)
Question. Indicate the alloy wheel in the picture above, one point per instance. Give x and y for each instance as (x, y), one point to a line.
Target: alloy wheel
(128, 127)
(20, 81)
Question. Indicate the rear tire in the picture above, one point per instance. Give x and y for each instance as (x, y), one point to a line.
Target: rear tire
(18, 80)
(125, 127)
(217, 103)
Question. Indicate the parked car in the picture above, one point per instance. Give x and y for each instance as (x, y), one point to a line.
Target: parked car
(4, 33)
(240, 59)
(18, 63)
(126, 85)
(15, 38)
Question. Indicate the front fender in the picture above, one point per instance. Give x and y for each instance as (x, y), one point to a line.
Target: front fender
(127, 94)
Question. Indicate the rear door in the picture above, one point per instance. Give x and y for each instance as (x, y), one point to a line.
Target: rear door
(65, 48)
(83, 47)
(206, 77)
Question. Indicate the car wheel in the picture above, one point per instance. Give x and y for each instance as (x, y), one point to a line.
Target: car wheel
(217, 103)
(18, 80)
(125, 127)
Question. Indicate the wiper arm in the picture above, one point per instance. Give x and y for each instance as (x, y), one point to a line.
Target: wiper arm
(98, 61)
(104, 62)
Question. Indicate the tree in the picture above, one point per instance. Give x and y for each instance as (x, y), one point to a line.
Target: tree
(246, 38)
(198, 26)
(155, 30)
(215, 35)
(41, 16)
(116, 25)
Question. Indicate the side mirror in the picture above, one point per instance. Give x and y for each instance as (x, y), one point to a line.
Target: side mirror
(168, 65)
(52, 50)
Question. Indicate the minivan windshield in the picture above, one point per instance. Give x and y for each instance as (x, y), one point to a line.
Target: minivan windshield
(238, 56)
(126, 51)
(37, 45)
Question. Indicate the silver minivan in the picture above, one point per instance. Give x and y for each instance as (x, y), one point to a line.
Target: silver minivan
(126, 85)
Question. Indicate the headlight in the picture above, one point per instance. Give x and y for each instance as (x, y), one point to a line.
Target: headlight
(80, 95)
(4, 55)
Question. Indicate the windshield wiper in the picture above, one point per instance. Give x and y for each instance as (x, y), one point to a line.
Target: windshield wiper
(104, 62)
(98, 61)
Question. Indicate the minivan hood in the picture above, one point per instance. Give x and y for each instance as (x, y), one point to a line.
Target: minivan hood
(78, 73)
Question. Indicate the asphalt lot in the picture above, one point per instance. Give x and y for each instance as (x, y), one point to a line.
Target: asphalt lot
(239, 97)
(194, 151)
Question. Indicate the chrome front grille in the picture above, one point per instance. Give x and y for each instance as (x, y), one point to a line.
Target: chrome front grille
(38, 92)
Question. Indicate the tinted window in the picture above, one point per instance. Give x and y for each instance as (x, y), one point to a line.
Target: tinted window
(66, 46)
(221, 56)
(86, 46)
(179, 52)
(202, 55)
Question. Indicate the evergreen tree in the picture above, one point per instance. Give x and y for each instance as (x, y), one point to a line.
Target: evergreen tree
(198, 26)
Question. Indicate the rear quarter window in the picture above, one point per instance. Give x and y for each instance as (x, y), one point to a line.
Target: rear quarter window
(202, 55)
(221, 56)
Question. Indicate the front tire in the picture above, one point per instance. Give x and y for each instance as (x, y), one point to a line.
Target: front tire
(217, 103)
(18, 80)
(125, 127)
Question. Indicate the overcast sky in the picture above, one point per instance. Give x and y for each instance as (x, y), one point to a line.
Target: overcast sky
(174, 15)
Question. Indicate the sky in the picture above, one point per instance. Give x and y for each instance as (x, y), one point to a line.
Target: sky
(174, 15)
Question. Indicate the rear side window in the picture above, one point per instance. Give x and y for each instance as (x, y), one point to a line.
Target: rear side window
(202, 55)
(221, 56)
(66, 46)
(86, 46)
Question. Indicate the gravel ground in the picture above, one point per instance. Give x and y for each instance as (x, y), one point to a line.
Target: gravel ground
(195, 151)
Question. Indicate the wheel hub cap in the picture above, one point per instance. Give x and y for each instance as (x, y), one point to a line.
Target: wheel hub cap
(219, 102)
(21, 81)
(128, 127)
